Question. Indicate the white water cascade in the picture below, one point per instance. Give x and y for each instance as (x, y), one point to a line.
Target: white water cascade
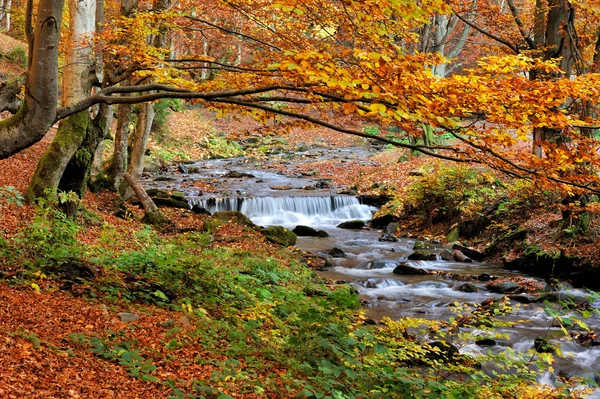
(292, 211)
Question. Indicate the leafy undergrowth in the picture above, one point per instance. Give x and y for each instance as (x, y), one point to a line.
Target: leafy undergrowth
(218, 314)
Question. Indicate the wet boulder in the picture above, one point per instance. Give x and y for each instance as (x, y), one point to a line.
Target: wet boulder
(307, 231)
(470, 252)
(466, 287)
(486, 342)
(352, 224)
(382, 221)
(421, 254)
(321, 184)
(405, 269)
(279, 235)
(383, 264)
(506, 287)
(392, 228)
(522, 298)
(200, 210)
(336, 253)
(460, 257)
(422, 245)
(220, 218)
(446, 255)
(171, 203)
(234, 174)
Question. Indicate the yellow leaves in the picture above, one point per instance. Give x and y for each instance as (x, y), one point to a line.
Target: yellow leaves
(376, 107)
(36, 288)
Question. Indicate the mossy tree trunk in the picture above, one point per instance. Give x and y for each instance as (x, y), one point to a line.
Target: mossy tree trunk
(77, 173)
(77, 85)
(53, 163)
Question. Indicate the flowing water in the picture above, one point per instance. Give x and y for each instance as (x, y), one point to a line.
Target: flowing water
(369, 262)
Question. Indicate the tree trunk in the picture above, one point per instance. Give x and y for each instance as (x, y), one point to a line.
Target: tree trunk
(38, 111)
(138, 150)
(119, 159)
(77, 173)
(53, 163)
(153, 214)
(77, 84)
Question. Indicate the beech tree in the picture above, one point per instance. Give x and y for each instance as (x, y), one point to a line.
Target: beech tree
(312, 60)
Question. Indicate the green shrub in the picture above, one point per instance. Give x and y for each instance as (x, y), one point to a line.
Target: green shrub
(17, 55)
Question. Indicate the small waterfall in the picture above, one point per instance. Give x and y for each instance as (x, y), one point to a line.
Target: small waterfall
(291, 211)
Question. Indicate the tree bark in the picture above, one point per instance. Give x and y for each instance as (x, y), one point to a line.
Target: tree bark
(138, 148)
(77, 84)
(153, 214)
(119, 160)
(77, 173)
(38, 111)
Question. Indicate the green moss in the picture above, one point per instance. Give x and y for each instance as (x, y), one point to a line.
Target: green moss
(51, 165)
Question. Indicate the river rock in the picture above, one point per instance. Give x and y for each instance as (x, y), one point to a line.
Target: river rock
(307, 231)
(336, 253)
(484, 277)
(234, 174)
(199, 210)
(504, 287)
(382, 264)
(220, 218)
(460, 257)
(382, 221)
(466, 287)
(285, 187)
(178, 195)
(321, 184)
(387, 238)
(171, 203)
(405, 269)
(453, 234)
(470, 252)
(522, 298)
(422, 245)
(376, 200)
(352, 224)
(315, 261)
(446, 255)
(279, 235)
(392, 228)
(156, 193)
(421, 254)
(486, 342)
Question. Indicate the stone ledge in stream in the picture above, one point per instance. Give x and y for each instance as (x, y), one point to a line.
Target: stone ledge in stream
(307, 231)
(352, 225)
(405, 269)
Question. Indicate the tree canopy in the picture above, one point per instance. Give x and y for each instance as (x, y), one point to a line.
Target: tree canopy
(529, 73)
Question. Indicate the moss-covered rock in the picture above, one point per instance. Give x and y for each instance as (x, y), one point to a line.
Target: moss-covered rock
(279, 235)
(224, 217)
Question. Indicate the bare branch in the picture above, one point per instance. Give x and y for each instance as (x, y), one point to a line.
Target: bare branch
(514, 48)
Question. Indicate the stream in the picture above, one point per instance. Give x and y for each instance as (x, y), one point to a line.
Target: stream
(369, 262)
